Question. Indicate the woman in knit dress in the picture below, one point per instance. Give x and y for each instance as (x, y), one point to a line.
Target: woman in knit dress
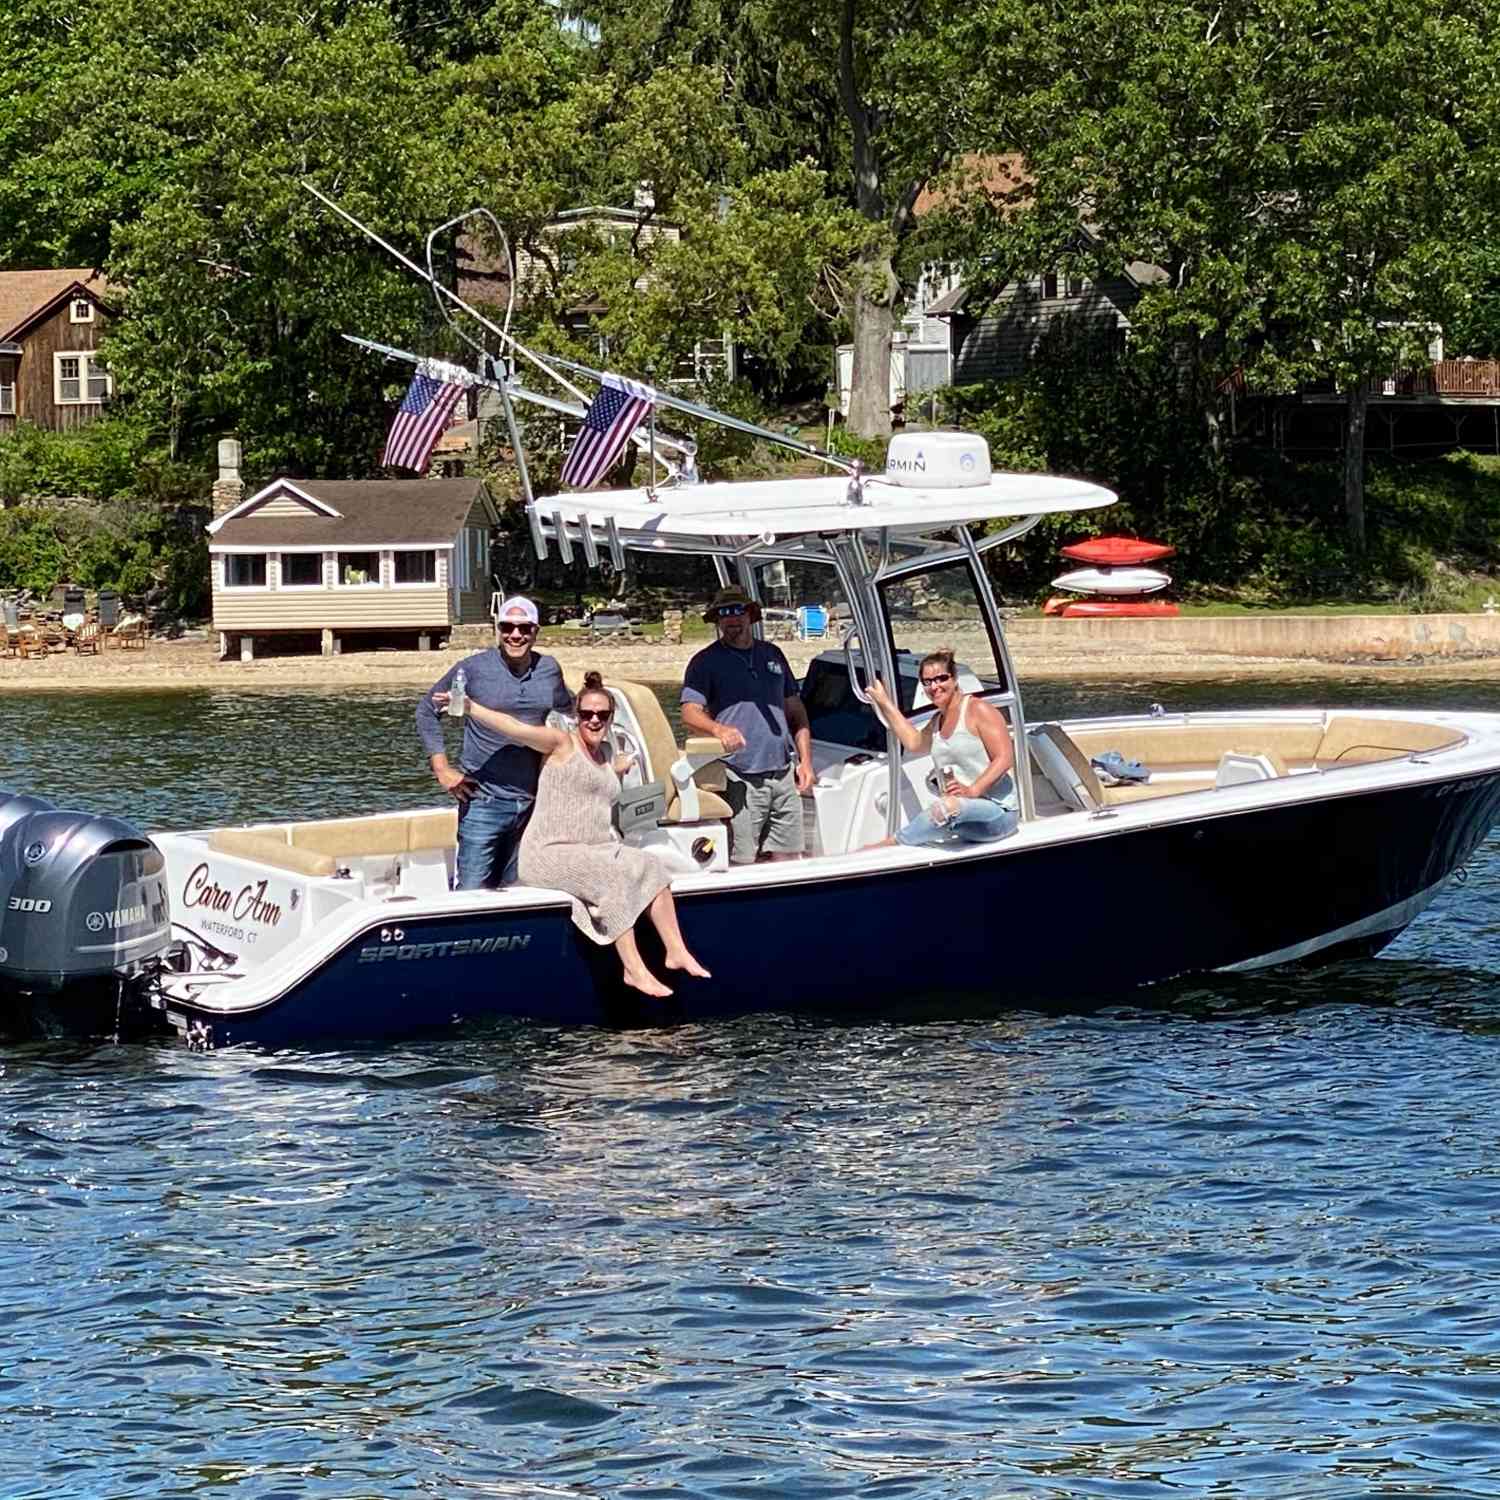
(571, 845)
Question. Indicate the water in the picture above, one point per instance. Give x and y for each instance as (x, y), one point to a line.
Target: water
(1241, 1239)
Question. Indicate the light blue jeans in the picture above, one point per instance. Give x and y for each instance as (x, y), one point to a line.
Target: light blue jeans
(977, 821)
(490, 825)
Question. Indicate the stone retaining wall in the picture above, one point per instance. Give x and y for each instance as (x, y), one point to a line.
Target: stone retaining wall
(1326, 637)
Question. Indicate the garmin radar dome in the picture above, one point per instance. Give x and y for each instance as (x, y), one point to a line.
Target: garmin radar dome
(938, 460)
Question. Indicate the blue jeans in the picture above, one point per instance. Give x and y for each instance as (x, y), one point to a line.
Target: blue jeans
(490, 825)
(977, 821)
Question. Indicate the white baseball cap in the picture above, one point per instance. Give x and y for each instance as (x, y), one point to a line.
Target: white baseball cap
(517, 607)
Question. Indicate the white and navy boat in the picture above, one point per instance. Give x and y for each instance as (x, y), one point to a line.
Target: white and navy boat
(1261, 837)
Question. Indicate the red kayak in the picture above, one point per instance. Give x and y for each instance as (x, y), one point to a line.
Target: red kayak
(1083, 609)
(1116, 551)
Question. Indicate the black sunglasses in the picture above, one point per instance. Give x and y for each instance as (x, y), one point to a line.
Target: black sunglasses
(730, 611)
(518, 630)
(936, 678)
(595, 715)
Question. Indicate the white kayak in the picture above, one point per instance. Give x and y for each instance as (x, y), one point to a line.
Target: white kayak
(1112, 581)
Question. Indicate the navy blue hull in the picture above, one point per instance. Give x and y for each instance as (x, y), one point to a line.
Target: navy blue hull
(1096, 916)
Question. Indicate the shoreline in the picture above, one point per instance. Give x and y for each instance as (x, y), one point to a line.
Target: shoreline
(194, 665)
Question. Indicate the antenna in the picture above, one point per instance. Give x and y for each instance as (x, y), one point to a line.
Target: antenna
(674, 403)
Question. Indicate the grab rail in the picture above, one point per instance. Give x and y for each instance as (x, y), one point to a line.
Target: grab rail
(854, 635)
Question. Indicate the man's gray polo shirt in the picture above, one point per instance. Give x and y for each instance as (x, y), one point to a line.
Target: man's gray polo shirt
(747, 690)
(495, 762)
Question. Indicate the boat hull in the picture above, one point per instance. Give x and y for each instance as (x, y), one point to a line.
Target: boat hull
(1094, 915)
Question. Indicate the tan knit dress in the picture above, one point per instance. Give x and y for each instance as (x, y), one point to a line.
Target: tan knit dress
(571, 845)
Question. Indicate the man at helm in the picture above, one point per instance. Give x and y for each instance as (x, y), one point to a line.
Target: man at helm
(742, 692)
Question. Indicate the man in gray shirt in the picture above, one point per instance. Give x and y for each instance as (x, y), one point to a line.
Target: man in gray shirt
(741, 691)
(497, 783)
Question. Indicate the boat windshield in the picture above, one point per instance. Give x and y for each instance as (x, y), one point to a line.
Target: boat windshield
(941, 607)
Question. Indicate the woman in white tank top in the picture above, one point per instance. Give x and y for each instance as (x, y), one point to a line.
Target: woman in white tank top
(971, 751)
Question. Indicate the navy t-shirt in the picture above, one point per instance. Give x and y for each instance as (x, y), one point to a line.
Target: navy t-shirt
(746, 689)
(493, 760)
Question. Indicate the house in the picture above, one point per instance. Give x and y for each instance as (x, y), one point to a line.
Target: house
(316, 560)
(51, 323)
(994, 336)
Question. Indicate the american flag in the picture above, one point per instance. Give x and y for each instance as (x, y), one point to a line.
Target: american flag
(420, 419)
(613, 415)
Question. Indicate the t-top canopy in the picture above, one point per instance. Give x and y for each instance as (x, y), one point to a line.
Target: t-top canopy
(783, 508)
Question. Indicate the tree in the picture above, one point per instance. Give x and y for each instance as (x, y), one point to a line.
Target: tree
(875, 88)
(185, 135)
(1312, 178)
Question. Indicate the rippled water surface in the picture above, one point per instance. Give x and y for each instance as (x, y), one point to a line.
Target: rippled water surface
(1239, 1238)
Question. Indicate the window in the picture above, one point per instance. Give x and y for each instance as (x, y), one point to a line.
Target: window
(935, 608)
(302, 570)
(82, 311)
(415, 567)
(1049, 286)
(244, 570)
(7, 393)
(359, 570)
(1077, 286)
(79, 380)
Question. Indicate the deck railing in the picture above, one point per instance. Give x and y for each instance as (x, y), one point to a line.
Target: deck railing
(1446, 377)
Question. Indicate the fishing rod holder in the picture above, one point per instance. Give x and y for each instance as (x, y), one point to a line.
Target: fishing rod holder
(583, 526)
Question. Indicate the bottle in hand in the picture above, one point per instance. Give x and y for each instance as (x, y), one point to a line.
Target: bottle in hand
(457, 697)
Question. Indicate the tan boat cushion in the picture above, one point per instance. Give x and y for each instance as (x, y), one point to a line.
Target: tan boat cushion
(432, 830)
(348, 836)
(1180, 746)
(1357, 741)
(269, 848)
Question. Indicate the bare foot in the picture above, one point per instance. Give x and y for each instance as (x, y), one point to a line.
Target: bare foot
(647, 983)
(688, 964)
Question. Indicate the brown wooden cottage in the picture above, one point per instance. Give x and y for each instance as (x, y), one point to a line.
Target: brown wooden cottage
(320, 561)
(51, 323)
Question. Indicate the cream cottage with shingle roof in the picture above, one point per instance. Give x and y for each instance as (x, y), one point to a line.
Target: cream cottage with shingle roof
(396, 559)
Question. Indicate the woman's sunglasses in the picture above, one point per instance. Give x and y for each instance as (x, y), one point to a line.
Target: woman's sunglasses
(936, 678)
(595, 715)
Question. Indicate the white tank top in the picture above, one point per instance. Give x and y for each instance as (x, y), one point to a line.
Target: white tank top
(963, 756)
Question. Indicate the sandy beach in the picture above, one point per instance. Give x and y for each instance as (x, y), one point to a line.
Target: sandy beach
(194, 664)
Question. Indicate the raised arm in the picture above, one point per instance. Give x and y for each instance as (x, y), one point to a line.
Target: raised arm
(536, 736)
(913, 740)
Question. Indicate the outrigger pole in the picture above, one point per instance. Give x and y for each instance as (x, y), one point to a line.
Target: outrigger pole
(674, 403)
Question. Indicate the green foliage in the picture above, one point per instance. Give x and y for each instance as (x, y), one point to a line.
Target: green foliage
(136, 547)
(869, 451)
(110, 458)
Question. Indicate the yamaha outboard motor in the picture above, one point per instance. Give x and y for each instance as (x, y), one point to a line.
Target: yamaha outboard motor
(83, 905)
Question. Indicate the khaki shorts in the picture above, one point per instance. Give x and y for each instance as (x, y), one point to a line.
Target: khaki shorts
(767, 814)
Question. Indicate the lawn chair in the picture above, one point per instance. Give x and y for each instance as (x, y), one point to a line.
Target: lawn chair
(812, 623)
(131, 631)
(86, 638)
